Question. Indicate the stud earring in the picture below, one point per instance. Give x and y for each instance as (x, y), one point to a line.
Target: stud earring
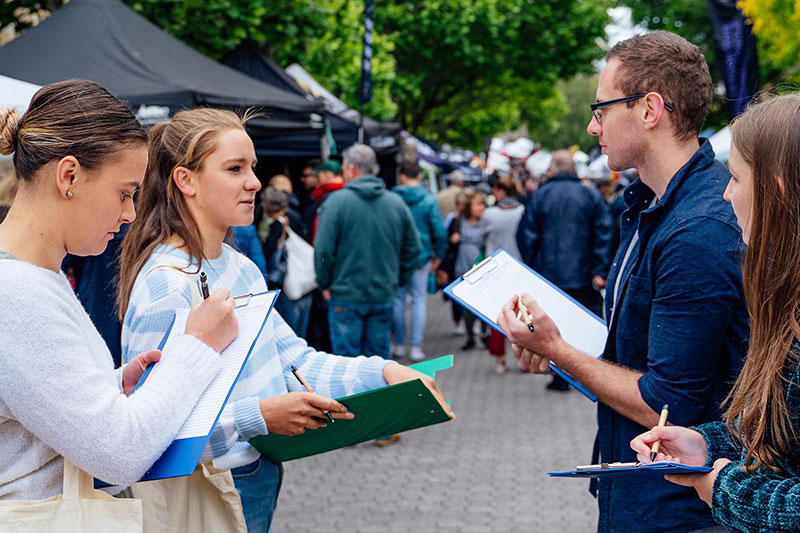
(69, 194)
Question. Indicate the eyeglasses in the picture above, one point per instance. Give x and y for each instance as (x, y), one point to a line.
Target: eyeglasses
(597, 106)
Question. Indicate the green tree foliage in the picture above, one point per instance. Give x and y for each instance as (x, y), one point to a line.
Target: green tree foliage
(776, 25)
(689, 19)
(451, 70)
(568, 127)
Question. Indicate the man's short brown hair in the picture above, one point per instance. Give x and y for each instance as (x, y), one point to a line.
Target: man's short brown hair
(670, 65)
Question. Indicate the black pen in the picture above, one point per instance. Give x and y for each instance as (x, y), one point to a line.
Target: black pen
(309, 389)
(204, 285)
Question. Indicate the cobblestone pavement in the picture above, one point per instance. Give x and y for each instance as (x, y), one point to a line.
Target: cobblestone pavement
(485, 471)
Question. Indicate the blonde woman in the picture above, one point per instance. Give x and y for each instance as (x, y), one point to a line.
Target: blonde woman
(199, 183)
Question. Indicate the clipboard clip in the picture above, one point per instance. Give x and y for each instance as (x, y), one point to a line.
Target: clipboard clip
(476, 272)
(243, 300)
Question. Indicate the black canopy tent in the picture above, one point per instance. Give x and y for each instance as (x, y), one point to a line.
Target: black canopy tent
(382, 136)
(248, 59)
(107, 42)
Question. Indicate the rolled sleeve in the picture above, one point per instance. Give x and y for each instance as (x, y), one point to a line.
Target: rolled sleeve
(697, 287)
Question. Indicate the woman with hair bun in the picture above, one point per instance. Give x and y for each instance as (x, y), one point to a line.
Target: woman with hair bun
(79, 157)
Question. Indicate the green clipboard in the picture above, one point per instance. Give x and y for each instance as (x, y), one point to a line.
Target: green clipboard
(384, 411)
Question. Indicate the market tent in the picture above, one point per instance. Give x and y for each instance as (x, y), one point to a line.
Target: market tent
(247, 58)
(383, 137)
(16, 94)
(721, 143)
(107, 42)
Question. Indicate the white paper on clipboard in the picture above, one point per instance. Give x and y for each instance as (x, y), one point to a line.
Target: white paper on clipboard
(488, 287)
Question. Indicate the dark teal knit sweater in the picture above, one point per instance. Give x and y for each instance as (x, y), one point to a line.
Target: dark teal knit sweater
(763, 501)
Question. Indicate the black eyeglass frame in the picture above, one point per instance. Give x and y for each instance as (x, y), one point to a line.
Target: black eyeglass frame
(601, 105)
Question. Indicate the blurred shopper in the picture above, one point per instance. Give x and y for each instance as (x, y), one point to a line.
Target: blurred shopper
(282, 183)
(275, 231)
(309, 181)
(469, 239)
(499, 229)
(564, 235)
(447, 269)
(433, 239)
(447, 196)
(329, 180)
(366, 247)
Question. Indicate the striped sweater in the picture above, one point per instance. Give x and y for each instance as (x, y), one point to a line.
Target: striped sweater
(158, 293)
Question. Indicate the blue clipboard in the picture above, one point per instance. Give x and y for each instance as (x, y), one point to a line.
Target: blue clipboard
(183, 455)
(637, 471)
(492, 324)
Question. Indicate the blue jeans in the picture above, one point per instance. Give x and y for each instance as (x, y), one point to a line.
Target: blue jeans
(360, 328)
(417, 288)
(258, 484)
(295, 312)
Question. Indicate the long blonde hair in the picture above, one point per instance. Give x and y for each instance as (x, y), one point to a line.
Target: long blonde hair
(768, 137)
(186, 140)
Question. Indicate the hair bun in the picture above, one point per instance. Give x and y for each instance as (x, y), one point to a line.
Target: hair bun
(9, 120)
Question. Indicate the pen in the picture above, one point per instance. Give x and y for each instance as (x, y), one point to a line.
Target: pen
(204, 285)
(662, 421)
(521, 309)
(308, 388)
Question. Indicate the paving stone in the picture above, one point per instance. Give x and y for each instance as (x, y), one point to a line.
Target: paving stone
(485, 471)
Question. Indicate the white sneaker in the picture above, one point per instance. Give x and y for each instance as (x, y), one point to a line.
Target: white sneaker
(416, 354)
(458, 330)
(476, 327)
(398, 351)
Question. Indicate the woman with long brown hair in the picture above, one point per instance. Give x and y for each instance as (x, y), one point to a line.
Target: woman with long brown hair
(755, 451)
(199, 183)
(79, 156)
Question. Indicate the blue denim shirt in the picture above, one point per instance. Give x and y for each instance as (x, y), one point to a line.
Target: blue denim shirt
(681, 319)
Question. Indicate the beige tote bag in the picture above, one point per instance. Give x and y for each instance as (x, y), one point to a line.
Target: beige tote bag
(207, 501)
(80, 509)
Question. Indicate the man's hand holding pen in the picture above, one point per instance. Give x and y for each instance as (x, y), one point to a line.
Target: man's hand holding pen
(533, 349)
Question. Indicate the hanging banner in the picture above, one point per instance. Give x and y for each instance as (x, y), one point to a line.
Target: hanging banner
(365, 93)
(736, 54)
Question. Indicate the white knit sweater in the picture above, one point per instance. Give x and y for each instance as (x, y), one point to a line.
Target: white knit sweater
(60, 395)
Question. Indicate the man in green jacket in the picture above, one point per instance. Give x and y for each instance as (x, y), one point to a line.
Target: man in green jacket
(433, 238)
(366, 246)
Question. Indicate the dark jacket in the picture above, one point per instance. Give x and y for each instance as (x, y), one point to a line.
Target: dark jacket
(425, 210)
(763, 501)
(680, 318)
(367, 244)
(565, 233)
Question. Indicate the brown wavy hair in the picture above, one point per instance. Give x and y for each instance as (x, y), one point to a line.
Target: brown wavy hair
(768, 137)
(72, 117)
(673, 67)
(184, 141)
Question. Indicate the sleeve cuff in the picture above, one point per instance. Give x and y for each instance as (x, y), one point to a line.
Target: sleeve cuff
(371, 372)
(248, 419)
(709, 445)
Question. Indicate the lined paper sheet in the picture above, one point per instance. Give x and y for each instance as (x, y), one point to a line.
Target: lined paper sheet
(251, 318)
(502, 277)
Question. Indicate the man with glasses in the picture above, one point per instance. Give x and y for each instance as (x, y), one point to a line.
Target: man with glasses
(678, 324)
